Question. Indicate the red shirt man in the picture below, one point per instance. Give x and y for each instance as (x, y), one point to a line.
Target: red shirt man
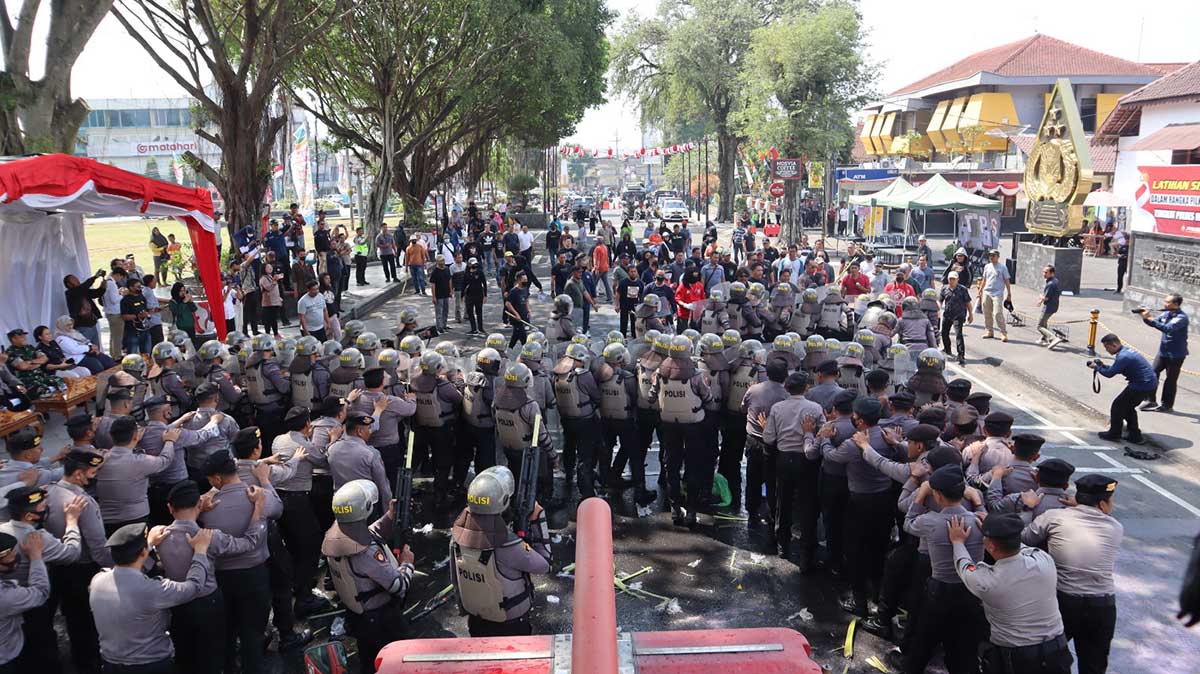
(855, 283)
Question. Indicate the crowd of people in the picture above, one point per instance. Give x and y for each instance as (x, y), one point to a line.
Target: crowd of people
(219, 483)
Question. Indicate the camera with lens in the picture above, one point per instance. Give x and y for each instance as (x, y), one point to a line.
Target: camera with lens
(1095, 362)
(1137, 310)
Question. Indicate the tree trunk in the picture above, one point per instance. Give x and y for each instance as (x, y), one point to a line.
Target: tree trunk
(726, 167)
(789, 216)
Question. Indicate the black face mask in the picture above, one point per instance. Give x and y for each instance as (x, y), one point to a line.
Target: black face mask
(39, 518)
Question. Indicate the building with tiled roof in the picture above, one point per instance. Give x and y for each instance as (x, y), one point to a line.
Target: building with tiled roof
(967, 120)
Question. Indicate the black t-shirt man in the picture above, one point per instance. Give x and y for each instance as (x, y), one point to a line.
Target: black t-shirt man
(440, 279)
(134, 304)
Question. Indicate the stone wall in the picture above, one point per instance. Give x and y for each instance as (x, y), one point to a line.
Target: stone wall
(1033, 257)
(1160, 264)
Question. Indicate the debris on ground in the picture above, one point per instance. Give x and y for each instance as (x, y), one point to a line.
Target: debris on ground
(427, 529)
(848, 648)
(442, 564)
(803, 614)
(551, 599)
(694, 564)
(877, 664)
(671, 606)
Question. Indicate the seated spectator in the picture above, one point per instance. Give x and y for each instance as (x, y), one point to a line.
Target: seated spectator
(56, 362)
(26, 363)
(76, 345)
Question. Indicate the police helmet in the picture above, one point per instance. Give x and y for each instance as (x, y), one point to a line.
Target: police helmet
(518, 376)
(234, 338)
(614, 337)
(737, 290)
(353, 329)
(354, 501)
(532, 351)
(388, 359)
(897, 349)
(929, 294)
(496, 341)
(810, 296)
(165, 350)
(134, 364)
(855, 350)
(711, 344)
(211, 350)
(285, 344)
(407, 317)
(910, 304)
(731, 338)
(691, 334)
(933, 359)
(580, 339)
(308, 346)
(447, 349)
(352, 358)
(489, 494)
(537, 336)
(749, 348)
(180, 339)
(887, 318)
(680, 347)
(834, 348)
(331, 347)
(504, 475)
(432, 362)
(782, 343)
(757, 292)
(563, 304)
(367, 341)
(616, 354)
(865, 337)
(262, 342)
(579, 352)
(717, 296)
(652, 300)
(814, 343)
(488, 361)
(662, 343)
(411, 345)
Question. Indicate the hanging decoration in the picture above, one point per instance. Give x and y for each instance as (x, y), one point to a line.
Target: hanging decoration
(609, 153)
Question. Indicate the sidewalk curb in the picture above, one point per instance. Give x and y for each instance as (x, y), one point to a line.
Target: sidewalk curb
(367, 306)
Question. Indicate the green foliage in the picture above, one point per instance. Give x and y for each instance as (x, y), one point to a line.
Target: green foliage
(521, 186)
(182, 262)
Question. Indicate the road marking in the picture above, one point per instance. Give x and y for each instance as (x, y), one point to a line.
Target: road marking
(1168, 495)
(537, 259)
(1109, 460)
(1102, 448)
(1047, 427)
(1073, 438)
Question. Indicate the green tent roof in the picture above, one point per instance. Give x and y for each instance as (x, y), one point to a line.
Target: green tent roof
(894, 188)
(936, 193)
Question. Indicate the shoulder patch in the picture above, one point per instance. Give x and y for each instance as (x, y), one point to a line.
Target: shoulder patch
(527, 548)
(379, 556)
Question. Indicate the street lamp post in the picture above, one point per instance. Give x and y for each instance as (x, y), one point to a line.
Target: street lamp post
(707, 189)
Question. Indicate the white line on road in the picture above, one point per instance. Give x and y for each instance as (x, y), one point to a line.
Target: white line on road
(1002, 396)
(1109, 460)
(1073, 438)
(1168, 495)
(1050, 427)
(1101, 448)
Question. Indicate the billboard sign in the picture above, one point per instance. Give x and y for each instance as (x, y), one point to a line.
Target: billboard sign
(786, 169)
(1168, 200)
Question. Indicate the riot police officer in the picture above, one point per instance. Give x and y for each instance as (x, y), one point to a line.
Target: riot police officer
(490, 565)
(309, 376)
(233, 364)
(646, 316)
(716, 368)
(647, 405)
(366, 574)
(715, 317)
(478, 395)
(212, 354)
(928, 384)
(347, 376)
(408, 325)
(351, 331)
(682, 393)
(410, 346)
(784, 348)
(395, 366)
(618, 404)
(438, 405)
(578, 399)
(561, 328)
(542, 389)
(368, 345)
(266, 387)
(164, 381)
(515, 413)
(744, 372)
(754, 313)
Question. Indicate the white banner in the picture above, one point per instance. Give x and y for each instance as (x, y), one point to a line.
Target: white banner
(343, 183)
(302, 173)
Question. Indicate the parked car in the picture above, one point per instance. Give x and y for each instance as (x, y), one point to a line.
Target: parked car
(672, 210)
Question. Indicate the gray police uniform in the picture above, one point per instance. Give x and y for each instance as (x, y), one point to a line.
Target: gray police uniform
(123, 483)
(682, 393)
(491, 570)
(435, 422)
(151, 444)
(998, 501)
(578, 399)
(515, 413)
(269, 391)
(388, 436)
(479, 424)
(759, 400)
(230, 394)
(743, 374)
(198, 452)
(618, 405)
(15, 600)
(797, 469)
(646, 422)
(352, 459)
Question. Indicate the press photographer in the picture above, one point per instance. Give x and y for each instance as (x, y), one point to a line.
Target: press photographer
(1140, 385)
(1172, 350)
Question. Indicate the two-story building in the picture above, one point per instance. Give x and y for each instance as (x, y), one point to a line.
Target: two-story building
(975, 121)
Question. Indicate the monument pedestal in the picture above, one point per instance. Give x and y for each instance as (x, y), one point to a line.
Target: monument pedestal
(1033, 257)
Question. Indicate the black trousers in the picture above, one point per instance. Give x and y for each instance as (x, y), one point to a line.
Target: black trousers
(760, 465)
(627, 321)
(951, 617)
(69, 591)
(437, 443)
(545, 479)
(796, 479)
(247, 595)
(1123, 411)
(686, 448)
(198, 631)
(250, 312)
(1090, 622)
(517, 627)
(957, 324)
(161, 667)
(279, 572)
(302, 535)
(645, 424)
(482, 447)
(389, 267)
(581, 451)
(1050, 657)
(321, 499)
(518, 333)
(270, 423)
(897, 578)
(360, 269)
(270, 319)
(622, 433)
(835, 494)
(1122, 265)
(393, 458)
(475, 312)
(869, 519)
(733, 446)
(375, 629)
(1171, 366)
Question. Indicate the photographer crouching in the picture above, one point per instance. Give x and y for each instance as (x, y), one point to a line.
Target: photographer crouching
(1172, 350)
(1140, 385)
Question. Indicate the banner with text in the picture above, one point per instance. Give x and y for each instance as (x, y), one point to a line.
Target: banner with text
(1168, 200)
(301, 175)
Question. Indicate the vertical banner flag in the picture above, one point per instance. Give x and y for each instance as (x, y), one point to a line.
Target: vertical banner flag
(343, 183)
(302, 173)
(177, 169)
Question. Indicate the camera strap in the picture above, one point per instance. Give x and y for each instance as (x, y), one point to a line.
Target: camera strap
(1095, 381)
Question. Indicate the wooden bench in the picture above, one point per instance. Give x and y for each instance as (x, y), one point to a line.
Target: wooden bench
(80, 391)
(11, 422)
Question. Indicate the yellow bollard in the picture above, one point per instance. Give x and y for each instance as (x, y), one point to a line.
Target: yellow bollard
(1092, 332)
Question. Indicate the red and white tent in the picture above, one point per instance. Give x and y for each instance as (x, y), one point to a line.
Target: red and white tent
(42, 202)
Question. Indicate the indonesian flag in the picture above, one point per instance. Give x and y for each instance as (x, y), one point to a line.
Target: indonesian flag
(277, 171)
(1142, 195)
(610, 152)
(774, 152)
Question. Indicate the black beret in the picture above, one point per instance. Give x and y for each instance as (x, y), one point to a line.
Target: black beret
(828, 367)
(964, 415)
(79, 420)
(947, 478)
(23, 499)
(998, 419)
(220, 463)
(207, 390)
(877, 378)
(119, 393)
(943, 455)
(7, 543)
(923, 433)
(1030, 440)
(155, 401)
(123, 424)
(296, 412)
(979, 395)
(184, 495)
(360, 420)
(842, 397)
(129, 535)
(902, 400)
(959, 384)
(247, 438)
(331, 405)
(1003, 525)
(85, 457)
(868, 406)
(1055, 468)
(26, 438)
(1098, 485)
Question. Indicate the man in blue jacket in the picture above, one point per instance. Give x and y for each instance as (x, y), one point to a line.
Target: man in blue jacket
(1172, 350)
(1140, 385)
